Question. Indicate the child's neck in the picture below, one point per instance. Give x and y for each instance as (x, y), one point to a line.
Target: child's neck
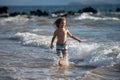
(61, 28)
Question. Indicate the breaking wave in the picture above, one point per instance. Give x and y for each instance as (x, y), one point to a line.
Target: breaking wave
(88, 16)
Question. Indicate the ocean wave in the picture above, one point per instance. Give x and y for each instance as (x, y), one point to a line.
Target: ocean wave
(88, 16)
(31, 39)
(106, 55)
(24, 19)
(97, 54)
(17, 20)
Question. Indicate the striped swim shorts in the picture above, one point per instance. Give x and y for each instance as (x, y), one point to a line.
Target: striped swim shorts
(61, 49)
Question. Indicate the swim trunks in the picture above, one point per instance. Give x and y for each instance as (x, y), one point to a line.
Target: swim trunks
(61, 49)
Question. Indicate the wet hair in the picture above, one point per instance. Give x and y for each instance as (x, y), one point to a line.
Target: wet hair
(58, 21)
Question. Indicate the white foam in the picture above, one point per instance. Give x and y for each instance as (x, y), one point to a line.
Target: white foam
(101, 60)
(107, 55)
(88, 16)
(99, 54)
(81, 50)
(31, 39)
(18, 20)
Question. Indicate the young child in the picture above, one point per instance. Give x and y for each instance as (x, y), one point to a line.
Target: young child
(61, 45)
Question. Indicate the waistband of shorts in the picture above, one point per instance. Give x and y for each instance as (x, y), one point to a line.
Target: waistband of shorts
(61, 44)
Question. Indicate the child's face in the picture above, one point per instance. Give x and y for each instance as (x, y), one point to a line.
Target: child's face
(62, 24)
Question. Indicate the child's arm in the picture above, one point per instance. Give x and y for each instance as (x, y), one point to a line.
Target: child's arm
(75, 38)
(53, 38)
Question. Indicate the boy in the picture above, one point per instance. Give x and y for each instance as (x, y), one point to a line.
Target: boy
(61, 34)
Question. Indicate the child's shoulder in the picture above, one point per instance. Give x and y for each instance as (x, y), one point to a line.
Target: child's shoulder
(67, 30)
(56, 31)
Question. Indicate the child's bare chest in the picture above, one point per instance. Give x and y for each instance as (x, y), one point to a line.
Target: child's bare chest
(62, 33)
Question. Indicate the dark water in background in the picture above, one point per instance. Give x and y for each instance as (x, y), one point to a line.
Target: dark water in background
(25, 52)
(64, 7)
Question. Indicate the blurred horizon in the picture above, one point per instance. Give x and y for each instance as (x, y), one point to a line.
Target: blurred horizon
(57, 2)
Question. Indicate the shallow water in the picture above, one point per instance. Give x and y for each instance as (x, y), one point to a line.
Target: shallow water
(25, 52)
(104, 73)
(18, 66)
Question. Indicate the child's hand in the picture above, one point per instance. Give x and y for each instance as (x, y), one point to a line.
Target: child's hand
(51, 46)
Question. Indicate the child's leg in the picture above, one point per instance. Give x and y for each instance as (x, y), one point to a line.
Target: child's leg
(60, 56)
(65, 57)
(64, 53)
(61, 60)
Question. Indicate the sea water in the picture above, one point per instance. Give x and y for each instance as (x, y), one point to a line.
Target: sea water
(25, 52)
